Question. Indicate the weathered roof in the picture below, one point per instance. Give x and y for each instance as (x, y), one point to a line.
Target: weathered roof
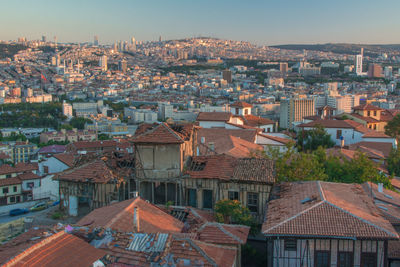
(214, 116)
(7, 169)
(95, 172)
(225, 167)
(93, 144)
(10, 181)
(323, 209)
(28, 176)
(53, 149)
(256, 121)
(119, 216)
(58, 250)
(218, 233)
(161, 134)
(380, 149)
(66, 158)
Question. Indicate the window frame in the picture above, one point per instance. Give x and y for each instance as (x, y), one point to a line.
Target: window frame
(252, 206)
(316, 258)
(351, 253)
(289, 246)
(233, 192)
(338, 134)
(5, 190)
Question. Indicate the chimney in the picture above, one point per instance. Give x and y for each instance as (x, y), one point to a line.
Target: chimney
(380, 187)
(136, 219)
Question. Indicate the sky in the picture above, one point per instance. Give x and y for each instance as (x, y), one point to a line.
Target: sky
(263, 22)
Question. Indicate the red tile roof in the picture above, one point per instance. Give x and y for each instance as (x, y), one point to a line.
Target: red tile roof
(367, 107)
(241, 104)
(316, 209)
(60, 249)
(10, 181)
(95, 172)
(381, 147)
(7, 169)
(214, 116)
(4, 156)
(94, 144)
(218, 233)
(119, 216)
(277, 138)
(161, 134)
(256, 121)
(225, 167)
(26, 167)
(28, 176)
(66, 158)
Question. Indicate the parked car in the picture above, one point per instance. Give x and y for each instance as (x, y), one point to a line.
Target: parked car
(39, 206)
(16, 212)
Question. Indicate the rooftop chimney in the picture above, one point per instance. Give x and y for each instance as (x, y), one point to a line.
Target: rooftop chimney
(136, 219)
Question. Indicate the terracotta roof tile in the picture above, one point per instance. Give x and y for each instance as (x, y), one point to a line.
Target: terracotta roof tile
(10, 181)
(256, 121)
(383, 148)
(54, 250)
(241, 104)
(28, 176)
(7, 169)
(367, 107)
(161, 134)
(226, 167)
(119, 216)
(95, 172)
(214, 116)
(66, 158)
(325, 209)
(218, 233)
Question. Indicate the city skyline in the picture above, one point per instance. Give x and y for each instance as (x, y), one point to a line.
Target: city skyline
(260, 22)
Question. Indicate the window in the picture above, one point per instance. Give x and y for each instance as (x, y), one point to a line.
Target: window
(374, 112)
(18, 199)
(368, 259)
(207, 199)
(12, 199)
(192, 197)
(374, 126)
(237, 111)
(345, 259)
(368, 113)
(246, 111)
(14, 189)
(338, 134)
(5, 190)
(322, 259)
(252, 202)
(291, 244)
(233, 195)
(211, 146)
(30, 185)
(8, 176)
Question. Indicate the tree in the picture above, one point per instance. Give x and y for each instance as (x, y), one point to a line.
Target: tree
(393, 162)
(392, 128)
(232, 211)
(103, 137)
(312, 139)
(66, 126)
(79, 122)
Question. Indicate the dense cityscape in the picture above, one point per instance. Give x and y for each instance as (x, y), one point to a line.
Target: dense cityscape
(198, 151)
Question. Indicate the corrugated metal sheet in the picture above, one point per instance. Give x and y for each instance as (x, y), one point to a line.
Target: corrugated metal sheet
(148, 242)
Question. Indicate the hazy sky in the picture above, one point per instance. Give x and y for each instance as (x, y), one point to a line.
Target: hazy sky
(259, 21)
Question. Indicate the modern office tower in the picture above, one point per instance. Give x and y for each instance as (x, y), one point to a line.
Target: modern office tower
(55, 41)
(103, 63)
(374, 70)
(53, 61)
(43, 38)
(133, 44)
(359, 63)
(58, 60)
(122, 65)
(165, 111)
(115, 47)
(96, 40)
(159, 39)
(294, 110)
(227, 76)
(283, 67)
(388, 72)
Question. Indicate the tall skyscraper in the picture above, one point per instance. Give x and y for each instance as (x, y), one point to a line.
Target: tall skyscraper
(375, 70)
(294, 110)
(359, 63)
(122, 65)
(103, 63)
(133, 44)
(96, 40)
(43, 38)
(283, 67)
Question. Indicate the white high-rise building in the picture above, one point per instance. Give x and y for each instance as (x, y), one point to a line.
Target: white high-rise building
(103, 63)
(67, 110)
(133, 44)
(388, 71)
(359, 63)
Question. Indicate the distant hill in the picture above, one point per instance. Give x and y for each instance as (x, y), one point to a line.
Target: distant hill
(9, 50)
(339, 48)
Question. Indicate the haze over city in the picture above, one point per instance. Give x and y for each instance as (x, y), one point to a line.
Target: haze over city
(265, 22)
